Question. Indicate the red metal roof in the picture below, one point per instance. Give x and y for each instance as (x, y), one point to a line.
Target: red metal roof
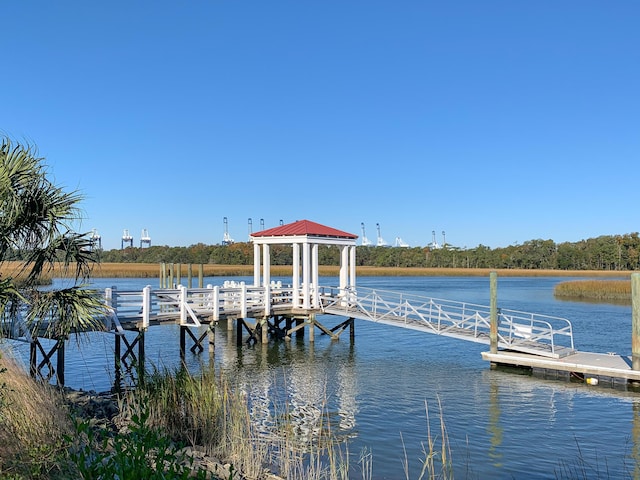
(303, 228)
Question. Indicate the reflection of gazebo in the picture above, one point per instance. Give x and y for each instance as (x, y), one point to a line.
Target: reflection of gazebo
(305, 237)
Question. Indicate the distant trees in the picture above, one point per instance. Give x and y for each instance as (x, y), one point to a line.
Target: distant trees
(617, 252)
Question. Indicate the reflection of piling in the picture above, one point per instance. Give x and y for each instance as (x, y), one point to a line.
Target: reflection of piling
(635, 321)
(635, 440)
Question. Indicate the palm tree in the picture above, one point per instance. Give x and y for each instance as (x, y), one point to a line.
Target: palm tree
(36, 235)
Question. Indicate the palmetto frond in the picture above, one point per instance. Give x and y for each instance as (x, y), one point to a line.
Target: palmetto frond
(58, 313)
(36, 219)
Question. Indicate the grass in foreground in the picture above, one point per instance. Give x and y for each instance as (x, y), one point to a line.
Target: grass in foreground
(33, 424)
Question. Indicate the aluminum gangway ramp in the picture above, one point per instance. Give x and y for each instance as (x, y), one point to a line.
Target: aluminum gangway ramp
(518, 331)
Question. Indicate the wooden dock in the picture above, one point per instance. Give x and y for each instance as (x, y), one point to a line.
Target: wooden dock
(587, 365)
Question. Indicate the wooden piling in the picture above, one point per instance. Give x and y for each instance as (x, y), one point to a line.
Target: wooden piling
(312, 327)
(635, 321)
(189, 276)
(264, 324)
(239, 326)
(493, 306)
(352, 331)
(211, 334)
(141, 358)
(183, 331)
(200, 276)
(60, 362)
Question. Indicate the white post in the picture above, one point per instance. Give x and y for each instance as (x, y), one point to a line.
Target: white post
(216, 303)
(243, 301)
(182, 295)
(108, 299)
(108, 296)
(305, 275)
(146, 306)
(256, 265)
(267, 300)
(344, 264)
(315, 275)
(352, 266)
(266, 265)
(296, 275)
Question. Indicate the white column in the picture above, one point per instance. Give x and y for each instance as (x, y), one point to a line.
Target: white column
(344, 267)
(352, 266)
(305, 275)
(266, 265)
(296, 274)
(256, 265)
(315, 275)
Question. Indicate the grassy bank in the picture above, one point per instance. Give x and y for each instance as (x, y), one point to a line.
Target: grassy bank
(617, 291)
(152, 270)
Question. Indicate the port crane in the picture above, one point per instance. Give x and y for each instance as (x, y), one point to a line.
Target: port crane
(145, 239)
(381, 242)
(96, 240)
(365, 241)
(400, 243)
(127, 239)
(226, 239)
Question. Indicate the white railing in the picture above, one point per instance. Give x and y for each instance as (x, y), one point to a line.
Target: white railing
(188, 304)
(516, 330)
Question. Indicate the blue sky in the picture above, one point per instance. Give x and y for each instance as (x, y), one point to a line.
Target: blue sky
(496, 122)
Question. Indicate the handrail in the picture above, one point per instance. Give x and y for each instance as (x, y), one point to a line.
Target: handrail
(516, 329)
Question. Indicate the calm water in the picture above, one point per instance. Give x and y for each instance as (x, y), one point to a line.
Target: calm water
(384, 392)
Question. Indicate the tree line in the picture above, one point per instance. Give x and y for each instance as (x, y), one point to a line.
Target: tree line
(607, 252)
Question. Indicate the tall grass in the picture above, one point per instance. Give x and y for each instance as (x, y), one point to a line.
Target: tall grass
(152, 270)
(204, 411)
(597, 290)
(33, 423)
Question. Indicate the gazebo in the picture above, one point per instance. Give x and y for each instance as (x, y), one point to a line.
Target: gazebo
(305, 237)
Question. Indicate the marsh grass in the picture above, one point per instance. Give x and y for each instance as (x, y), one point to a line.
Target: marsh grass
(152, 270)
(618, 291)
(33, 423)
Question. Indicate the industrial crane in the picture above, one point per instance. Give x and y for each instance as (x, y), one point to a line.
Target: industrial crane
(381, 242)
(95, 240)
(126, 239)
(145, 239)
(400, 243)
(226, 239)
(365, 241)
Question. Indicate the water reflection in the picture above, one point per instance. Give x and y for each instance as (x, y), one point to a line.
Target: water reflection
(288, 386)
(495, 429)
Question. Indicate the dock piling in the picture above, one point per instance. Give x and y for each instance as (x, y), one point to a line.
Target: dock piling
(493, 331)
(635, 321)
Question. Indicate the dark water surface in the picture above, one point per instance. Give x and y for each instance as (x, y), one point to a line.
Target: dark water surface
(387, 390)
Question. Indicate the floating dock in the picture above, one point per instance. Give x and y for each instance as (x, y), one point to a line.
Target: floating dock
(586, 365)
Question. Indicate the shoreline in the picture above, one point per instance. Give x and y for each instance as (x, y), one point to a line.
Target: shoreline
(152, 270)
